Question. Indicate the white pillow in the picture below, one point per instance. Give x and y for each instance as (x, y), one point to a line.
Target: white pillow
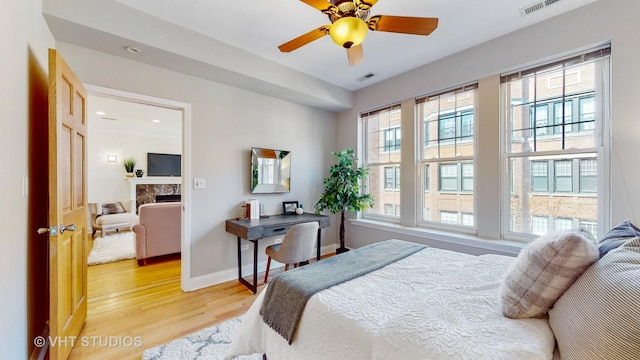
(544, 270)
(599, 316)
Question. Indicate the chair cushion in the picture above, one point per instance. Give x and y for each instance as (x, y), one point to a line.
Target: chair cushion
(617, 236)
(598, 317)
(125, 218)
(544, 270)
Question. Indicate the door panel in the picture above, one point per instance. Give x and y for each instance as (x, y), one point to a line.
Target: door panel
(67, 206)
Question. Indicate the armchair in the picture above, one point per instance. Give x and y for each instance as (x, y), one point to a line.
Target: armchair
(112, 216)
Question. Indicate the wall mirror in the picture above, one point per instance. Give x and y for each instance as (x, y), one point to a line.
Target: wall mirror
(270, 171)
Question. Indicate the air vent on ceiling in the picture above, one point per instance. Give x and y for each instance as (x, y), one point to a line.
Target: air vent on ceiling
(539, 5)
(109, 118)
(365, 77)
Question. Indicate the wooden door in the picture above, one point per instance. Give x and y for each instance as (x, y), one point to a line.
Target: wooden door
(67, 207)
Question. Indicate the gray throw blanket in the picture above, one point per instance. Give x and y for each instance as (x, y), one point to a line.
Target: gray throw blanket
(287, 294)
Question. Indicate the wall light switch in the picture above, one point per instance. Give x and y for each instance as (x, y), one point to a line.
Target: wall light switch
(198, 184)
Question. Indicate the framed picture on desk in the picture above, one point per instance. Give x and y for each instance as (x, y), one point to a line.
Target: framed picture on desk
(289, 207)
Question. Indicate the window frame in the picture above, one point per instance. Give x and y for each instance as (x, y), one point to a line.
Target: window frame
(601, 147)
(394, 114)
(461, 115)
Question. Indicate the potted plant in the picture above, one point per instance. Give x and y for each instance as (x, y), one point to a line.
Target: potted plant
(342, 190)
(129, 165)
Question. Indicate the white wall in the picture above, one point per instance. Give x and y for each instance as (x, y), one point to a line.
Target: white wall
(226, 123)
(597, 23)
(106, 180)
(25, 38)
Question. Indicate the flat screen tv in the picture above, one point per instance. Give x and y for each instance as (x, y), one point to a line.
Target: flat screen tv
(164, 164)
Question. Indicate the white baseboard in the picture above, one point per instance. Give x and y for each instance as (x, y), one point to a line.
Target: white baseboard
(219, 277)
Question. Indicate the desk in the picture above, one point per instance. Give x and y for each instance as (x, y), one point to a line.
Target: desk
(274, 225)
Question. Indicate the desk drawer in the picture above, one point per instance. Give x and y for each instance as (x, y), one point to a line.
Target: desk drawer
(275, 230)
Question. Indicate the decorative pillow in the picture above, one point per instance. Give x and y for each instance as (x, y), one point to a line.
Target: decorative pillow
(598, 317)
(112, 208)
(617, 236)
(544, 270)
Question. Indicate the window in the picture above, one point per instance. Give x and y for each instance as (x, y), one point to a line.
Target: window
(590, 226)
(562, 116)
(448, 217)
(563, 224)
(392, 139)
(451, 181)
(392, 178)
(426, 214)
(587, 113)
(544, 162)
(447, 125)
(551, 171)
(467, 219)
(391, 210)
(466, 124)
(453, 217)
(539, 176)
(467, 177)
(563, 172)
(563, 178)
(427, 179)
(448, 177)
(382, 156)
(539, 119)
(539, 225)
(588, 175)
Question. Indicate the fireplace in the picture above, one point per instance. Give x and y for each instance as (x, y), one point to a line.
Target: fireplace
(168, 198)
(148, 189)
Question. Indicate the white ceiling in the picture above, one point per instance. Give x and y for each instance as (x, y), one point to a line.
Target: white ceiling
(205, 34)
(260, 26)
(127, 116)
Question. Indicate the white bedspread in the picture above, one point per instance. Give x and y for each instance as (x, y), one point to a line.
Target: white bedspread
(435, 304)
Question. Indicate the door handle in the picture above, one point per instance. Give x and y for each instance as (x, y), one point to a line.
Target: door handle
(53, 230)
(71, 227)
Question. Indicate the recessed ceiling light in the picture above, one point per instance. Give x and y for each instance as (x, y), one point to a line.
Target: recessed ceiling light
(133, 50)
(101, 113)
(155, 120)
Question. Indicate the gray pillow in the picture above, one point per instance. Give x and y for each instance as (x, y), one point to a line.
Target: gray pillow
(617, 236)
(543, 270)
(598, 317)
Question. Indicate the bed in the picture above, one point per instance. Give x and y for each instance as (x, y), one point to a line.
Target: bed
(565, 295)
(433, 304)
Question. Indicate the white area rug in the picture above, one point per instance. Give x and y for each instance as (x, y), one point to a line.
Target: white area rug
(209, 344)
(112, 248)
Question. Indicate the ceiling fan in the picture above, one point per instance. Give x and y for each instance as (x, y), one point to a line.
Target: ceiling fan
(350, 22)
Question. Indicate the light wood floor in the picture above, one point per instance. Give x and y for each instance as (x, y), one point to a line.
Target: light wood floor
(126, 301)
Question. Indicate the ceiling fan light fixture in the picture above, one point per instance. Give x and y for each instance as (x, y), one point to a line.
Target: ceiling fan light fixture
(348, 31)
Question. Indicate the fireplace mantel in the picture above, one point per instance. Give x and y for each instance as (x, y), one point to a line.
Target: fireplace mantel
(151, 180)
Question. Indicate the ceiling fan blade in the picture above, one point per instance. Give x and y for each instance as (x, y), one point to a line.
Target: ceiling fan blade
(355, 55)
(322, 5)
(364, 5)
(403, 24)
(305, 39)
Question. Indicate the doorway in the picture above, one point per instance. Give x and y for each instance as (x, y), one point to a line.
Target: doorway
(124, 125)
